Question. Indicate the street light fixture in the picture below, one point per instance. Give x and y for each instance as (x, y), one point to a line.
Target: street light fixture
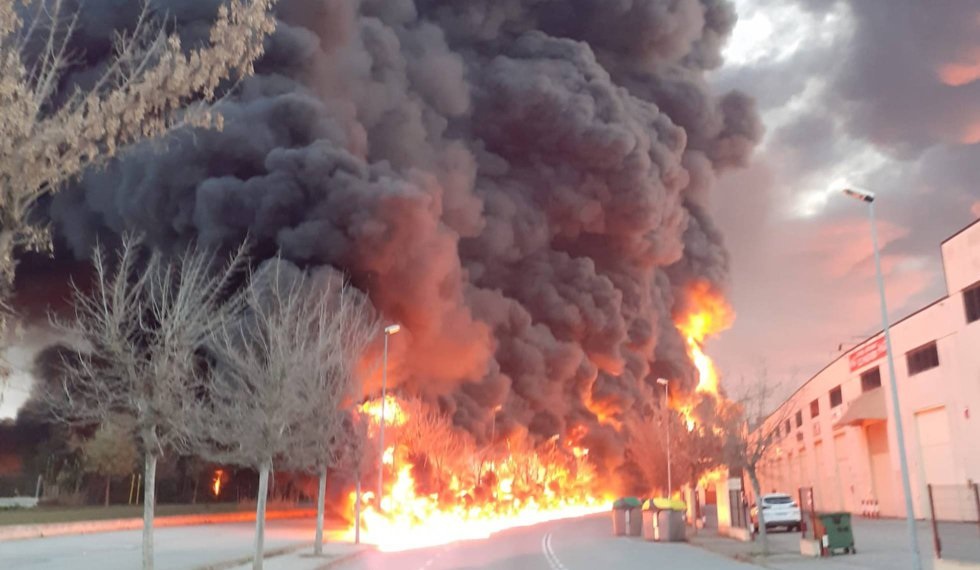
(389, 330)
(869, 199)
(670, 487)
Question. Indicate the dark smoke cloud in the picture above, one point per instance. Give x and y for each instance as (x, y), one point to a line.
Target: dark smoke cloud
(521, 183)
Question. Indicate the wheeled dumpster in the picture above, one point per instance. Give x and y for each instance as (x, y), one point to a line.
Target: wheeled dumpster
(619, 518)
(663, 520)
(837, 534)
(627, 516)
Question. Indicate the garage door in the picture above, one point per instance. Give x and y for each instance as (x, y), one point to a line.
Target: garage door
(935, 451)
(936, 465)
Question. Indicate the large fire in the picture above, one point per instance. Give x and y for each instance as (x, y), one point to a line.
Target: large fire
(470, 493)
(711, 315)
(441, 487)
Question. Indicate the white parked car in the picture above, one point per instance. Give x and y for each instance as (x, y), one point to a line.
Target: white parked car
(779, 510)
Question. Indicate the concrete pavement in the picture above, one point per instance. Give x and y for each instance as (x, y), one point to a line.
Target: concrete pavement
(177, 548)
(333, 554)
(881, 545)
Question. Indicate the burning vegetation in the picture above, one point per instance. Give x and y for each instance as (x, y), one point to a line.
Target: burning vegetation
(436, 476)
(440, 486)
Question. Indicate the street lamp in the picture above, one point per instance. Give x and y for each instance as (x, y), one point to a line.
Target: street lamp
(869, 199)
(389, 330)
(665, 384)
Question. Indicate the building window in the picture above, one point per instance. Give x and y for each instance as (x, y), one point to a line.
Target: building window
(815, 408)
(799, 418)
(922, 358)
(787, 428)
(871, 379)
(971, 302)
(836, 397)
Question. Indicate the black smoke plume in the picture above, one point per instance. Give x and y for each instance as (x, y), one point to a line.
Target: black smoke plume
(522, 184)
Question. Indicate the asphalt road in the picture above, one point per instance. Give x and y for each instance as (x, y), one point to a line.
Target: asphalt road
(177, 548)
(580, 544)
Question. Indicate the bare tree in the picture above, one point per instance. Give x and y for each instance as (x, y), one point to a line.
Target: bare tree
(138, 333)
(281, 370)
(749, 433)
(151, 86)
(430, 433)
(356, 456)
(341, 324)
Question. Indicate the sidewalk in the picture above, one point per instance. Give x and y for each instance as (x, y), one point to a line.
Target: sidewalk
(881, 545)
(302, 558)
(29, 531)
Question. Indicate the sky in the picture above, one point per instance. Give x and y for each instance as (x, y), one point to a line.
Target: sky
(881, 95)
(877, 94)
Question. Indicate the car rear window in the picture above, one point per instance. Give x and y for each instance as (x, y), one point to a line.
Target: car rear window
(778, 500)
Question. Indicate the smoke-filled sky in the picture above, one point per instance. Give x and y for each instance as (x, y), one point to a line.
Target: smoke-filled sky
(532, 187)
(524, 185)
(880, 94)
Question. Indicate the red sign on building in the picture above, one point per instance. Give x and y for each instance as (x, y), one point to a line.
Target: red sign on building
(871, 352)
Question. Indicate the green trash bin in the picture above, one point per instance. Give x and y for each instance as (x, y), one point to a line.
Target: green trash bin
(837, 533)
(623, 522)
(619, 510)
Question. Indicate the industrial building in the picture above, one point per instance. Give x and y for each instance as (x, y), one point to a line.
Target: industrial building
(836, 433)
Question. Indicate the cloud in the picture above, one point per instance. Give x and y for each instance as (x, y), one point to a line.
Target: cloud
(883, 99)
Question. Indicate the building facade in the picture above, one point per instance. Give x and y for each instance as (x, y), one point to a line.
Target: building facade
(837, 432)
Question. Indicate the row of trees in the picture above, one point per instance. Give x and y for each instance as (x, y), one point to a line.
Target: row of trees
(202, 355)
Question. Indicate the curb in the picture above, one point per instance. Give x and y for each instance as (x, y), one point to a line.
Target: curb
(344, 558)
(246, 559)
(29, 531)
(336, 561)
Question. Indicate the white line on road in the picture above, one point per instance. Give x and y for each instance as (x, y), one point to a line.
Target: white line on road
(549, 553)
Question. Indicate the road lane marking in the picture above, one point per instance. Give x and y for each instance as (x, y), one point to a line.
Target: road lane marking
(549, 553)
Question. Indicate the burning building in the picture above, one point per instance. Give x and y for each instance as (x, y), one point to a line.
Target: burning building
(523, 185)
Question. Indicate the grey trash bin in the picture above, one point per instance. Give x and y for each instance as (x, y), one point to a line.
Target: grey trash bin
(619, 521)
(647, 519)
(670, 526)
(623, 523)
(662, 524)
(635, 524)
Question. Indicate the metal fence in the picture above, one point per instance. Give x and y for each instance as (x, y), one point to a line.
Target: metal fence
(739, 507)
(19, 485)
(955, 515)
(808, 513)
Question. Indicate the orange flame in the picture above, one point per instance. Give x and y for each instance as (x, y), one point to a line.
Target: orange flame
(711, 315)
(529, 486)
(394, 414)
(216, 483)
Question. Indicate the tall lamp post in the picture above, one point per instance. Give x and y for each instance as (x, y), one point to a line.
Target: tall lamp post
(869, 199)
(389, 330)
(670, 487)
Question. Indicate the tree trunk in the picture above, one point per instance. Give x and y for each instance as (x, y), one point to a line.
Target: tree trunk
(260, 515)
(197, 481)
(149, 504)
(760, 514)
(321, 496)
(108, 483)
(357, 510)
